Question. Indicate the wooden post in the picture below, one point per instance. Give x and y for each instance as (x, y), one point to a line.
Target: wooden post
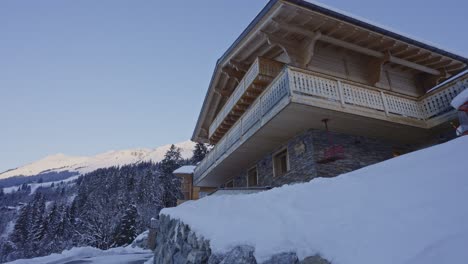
(340, 90)
(385, 104)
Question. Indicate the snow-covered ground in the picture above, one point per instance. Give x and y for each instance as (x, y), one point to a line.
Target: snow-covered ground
(410, 209)
(90, 255)
(61, 162)
(35, 186)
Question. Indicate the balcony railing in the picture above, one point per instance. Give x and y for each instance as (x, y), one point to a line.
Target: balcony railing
(298, 83)
(261, 71)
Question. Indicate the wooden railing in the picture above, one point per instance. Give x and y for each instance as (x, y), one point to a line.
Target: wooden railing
(261, 69)
(308, 83)
(295, 82)
(247, 124)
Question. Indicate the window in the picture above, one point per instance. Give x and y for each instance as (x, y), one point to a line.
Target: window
(252, 177)
(230, 184)
(187, 186)
(280, 163)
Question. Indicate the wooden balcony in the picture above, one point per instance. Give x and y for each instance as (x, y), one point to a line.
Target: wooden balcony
(298, 99)
(259, 75)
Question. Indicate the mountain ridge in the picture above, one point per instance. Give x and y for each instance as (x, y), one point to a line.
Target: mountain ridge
(83, 164)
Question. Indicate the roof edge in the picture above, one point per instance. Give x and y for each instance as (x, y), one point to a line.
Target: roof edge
(245, 32)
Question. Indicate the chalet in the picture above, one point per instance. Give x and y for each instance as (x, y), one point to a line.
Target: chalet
(307, 91)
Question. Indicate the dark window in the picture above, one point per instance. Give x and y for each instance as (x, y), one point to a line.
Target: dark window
(230, 184)
(280, 163)
(252, 179)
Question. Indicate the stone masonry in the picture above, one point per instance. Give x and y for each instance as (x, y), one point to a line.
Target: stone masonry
(176, 243)
(307, 148)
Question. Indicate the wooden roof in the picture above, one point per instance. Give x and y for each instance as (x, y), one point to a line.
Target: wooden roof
(285, 23)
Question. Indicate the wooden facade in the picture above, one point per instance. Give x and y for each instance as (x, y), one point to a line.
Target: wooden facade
(298, 63)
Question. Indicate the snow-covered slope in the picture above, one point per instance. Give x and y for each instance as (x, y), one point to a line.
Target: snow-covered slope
(61, 162)
(409, 209)
(90, 255)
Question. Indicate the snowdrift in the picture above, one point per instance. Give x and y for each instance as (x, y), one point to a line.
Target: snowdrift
(410, 209)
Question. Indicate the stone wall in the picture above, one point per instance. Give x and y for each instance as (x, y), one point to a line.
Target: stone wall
(176, 243)
(307, 149)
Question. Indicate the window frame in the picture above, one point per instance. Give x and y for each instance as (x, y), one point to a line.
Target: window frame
(256, 176)
(274, 162)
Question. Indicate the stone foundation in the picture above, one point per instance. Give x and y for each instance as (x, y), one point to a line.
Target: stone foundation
(177, 244)
(307, 149)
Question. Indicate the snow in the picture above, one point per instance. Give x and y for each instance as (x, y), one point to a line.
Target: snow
(408, 209)
(460, 99)
(61, 162)
(93, 255)
(8, 229)
(35, 186)
(188, 169)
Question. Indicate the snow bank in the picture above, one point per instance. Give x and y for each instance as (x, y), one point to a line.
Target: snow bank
(460, 99)
(409, 209)
(91, 255)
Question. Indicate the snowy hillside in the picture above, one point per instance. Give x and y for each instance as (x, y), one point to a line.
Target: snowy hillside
(410, 209)
(61, 162)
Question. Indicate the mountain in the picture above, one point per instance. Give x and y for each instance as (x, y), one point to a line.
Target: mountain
(85, 164)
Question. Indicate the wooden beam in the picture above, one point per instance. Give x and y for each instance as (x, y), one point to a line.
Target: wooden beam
(398, 50)
(222, 93)
(289, 48)
(350, 34)
(239, 66)
(233, 73)
(375, 68)
(454, 67)
(429, 81)
(442, 63)
(298, 56)
(379, 54)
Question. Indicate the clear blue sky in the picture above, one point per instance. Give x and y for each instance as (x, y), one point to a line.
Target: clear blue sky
(83, 77)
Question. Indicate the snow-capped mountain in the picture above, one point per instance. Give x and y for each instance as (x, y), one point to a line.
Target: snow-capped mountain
(61, 162)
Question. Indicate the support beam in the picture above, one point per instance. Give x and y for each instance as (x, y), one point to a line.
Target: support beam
(233, 73)
(239, 66)
(429, 81)
(222, 93)
(357, 48)
(379, 54)
(375, 68)
(299, 56)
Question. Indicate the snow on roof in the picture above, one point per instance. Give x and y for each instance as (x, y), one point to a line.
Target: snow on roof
(403, 210)
(460, 99)
(188, 169)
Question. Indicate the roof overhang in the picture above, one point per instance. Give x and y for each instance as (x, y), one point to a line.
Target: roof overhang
(252, 43)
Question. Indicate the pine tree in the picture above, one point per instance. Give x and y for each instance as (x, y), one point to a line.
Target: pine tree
(172, 160)
(37, 217)
(20, 232)
(126, 230)
(199, 153)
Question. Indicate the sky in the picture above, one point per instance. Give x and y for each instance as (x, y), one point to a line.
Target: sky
(85, 77)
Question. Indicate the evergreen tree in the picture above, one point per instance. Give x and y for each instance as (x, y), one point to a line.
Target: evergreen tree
(126, 230)
(172, 160)
(37, 214)
(20, 232)
(199, 153)
(170, 183)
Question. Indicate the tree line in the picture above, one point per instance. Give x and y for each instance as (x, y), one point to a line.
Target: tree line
(106, 208)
